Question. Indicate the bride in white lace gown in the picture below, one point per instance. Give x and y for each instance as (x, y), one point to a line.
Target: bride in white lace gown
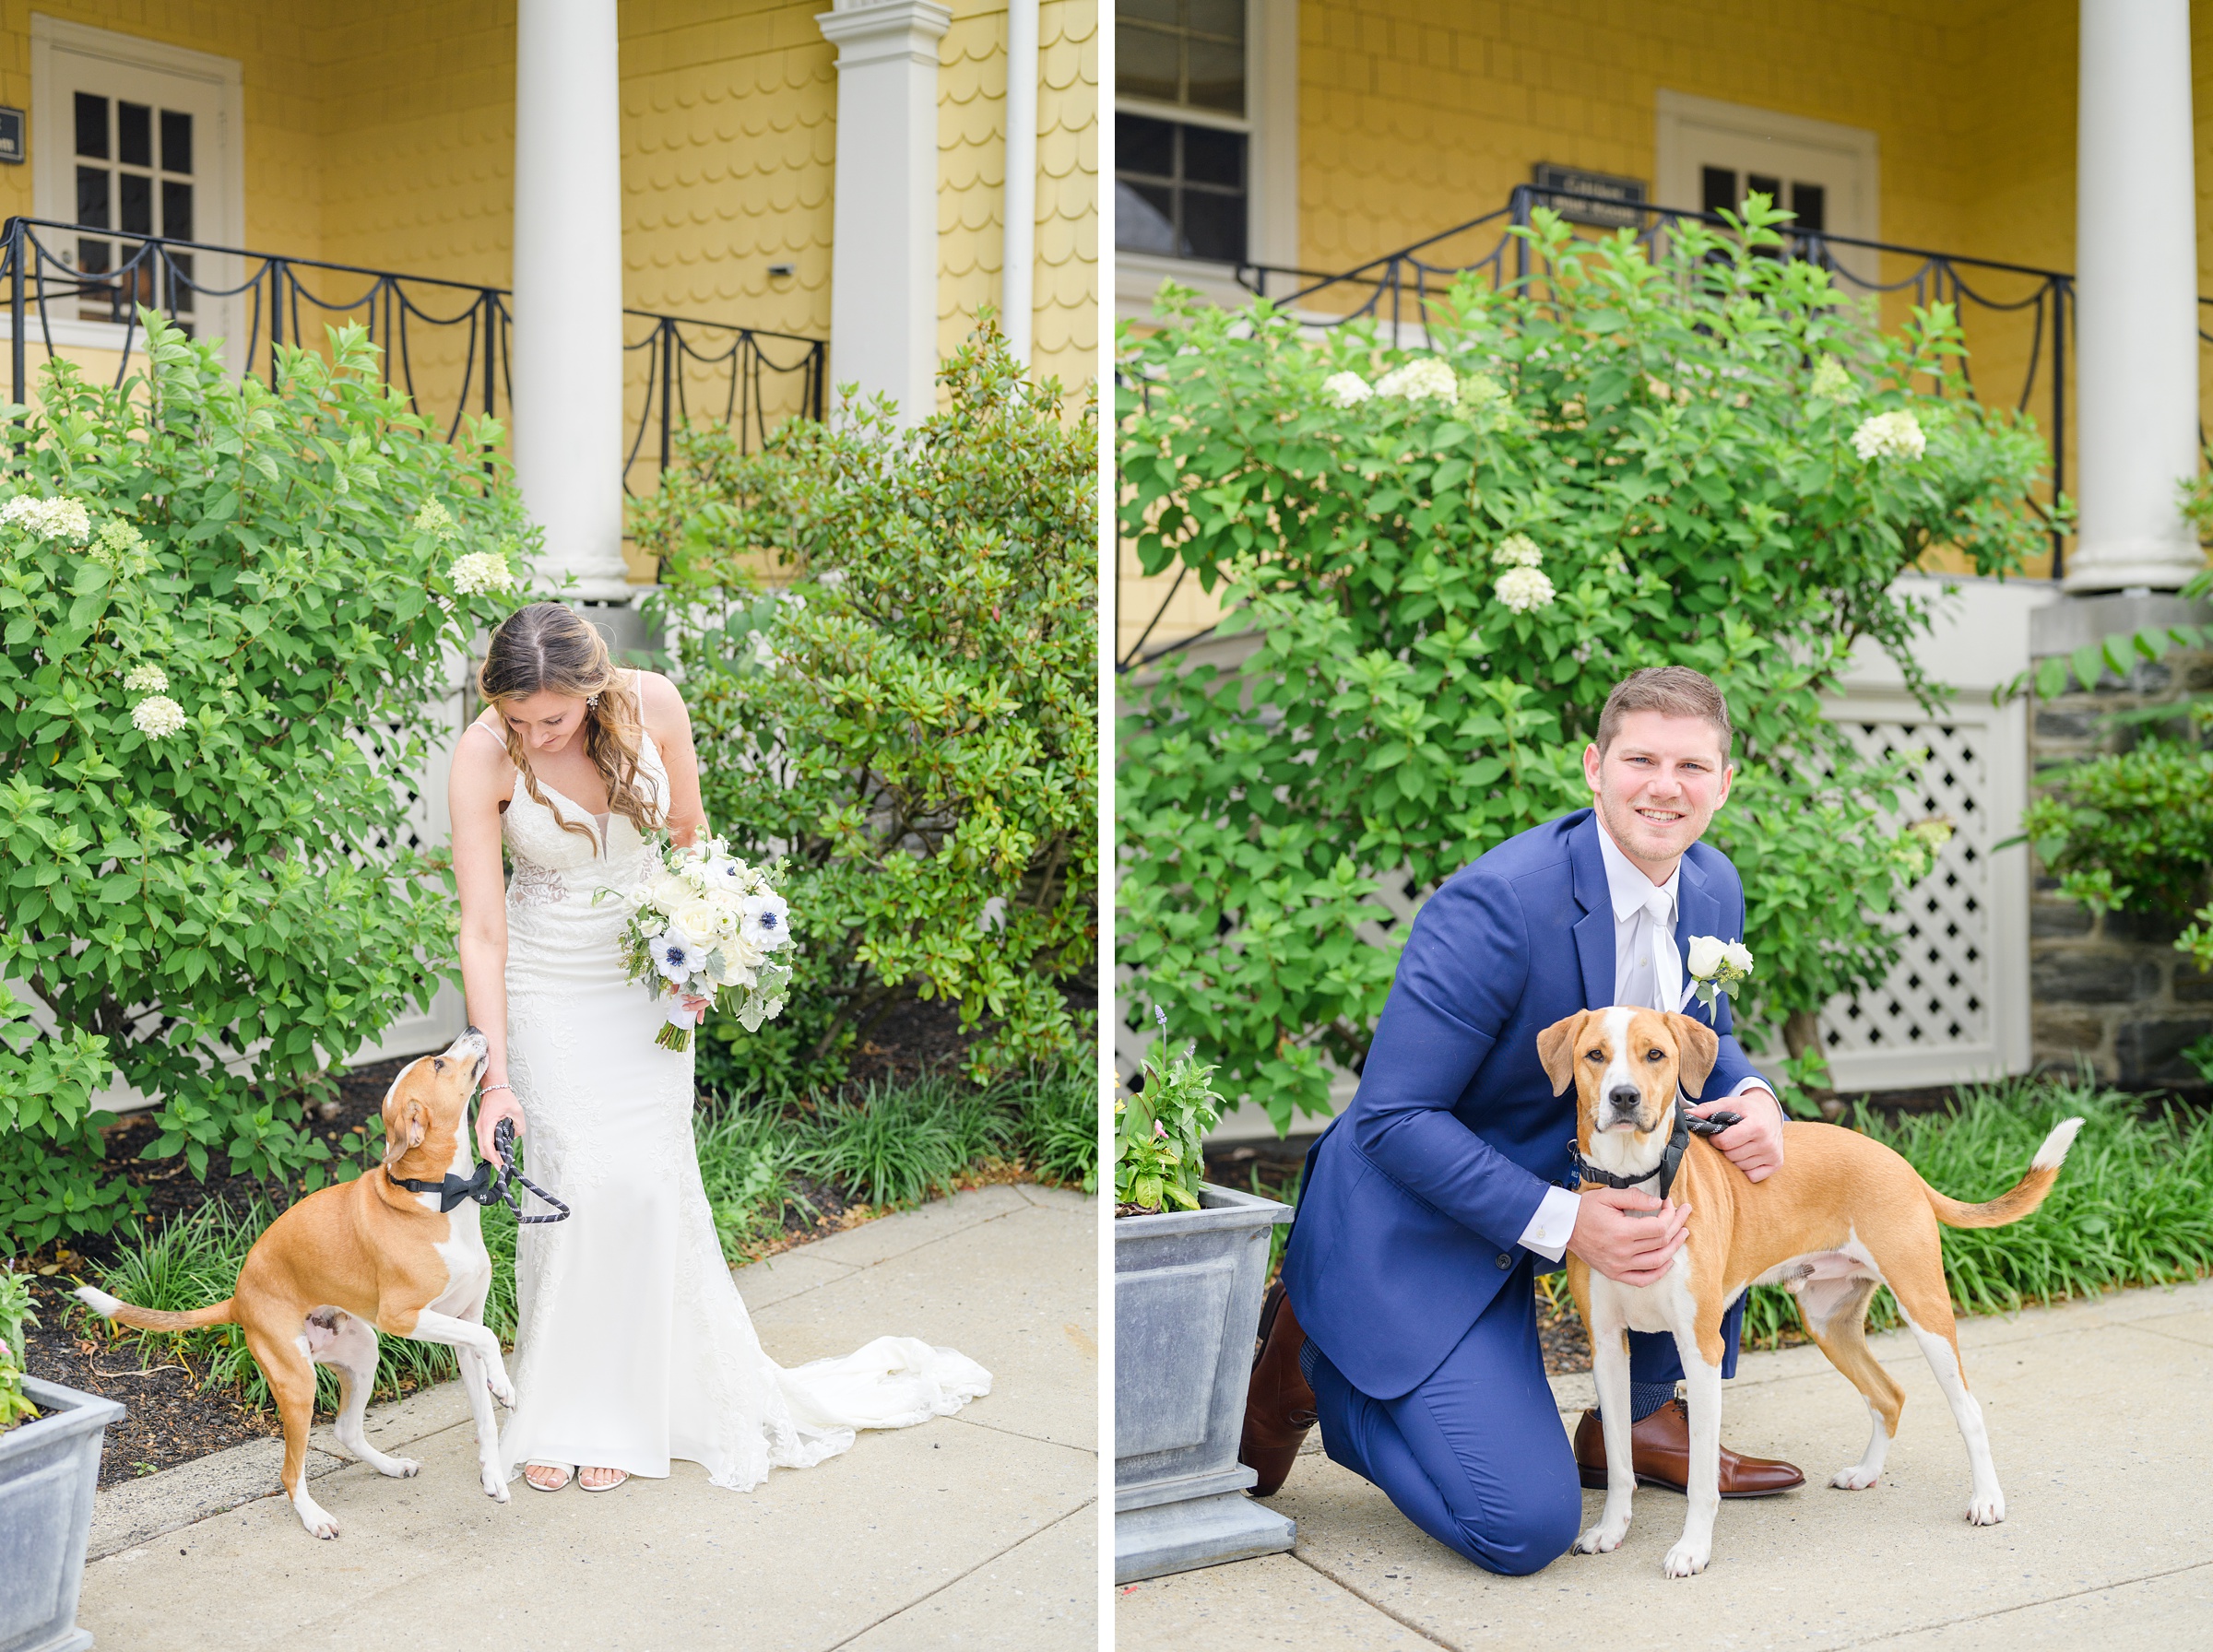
(634, 1346)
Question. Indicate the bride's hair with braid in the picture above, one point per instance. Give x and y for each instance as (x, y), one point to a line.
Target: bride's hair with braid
(546, 648)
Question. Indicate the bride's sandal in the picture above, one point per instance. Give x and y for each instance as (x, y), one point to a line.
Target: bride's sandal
(604, 1486)
(566, 1470)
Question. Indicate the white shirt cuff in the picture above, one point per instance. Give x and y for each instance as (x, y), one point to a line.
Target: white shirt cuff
(1760, 1084)
(1550, 1229)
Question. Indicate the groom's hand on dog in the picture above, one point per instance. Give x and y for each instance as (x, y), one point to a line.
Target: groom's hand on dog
(1616, 1234)
(1755, 1146)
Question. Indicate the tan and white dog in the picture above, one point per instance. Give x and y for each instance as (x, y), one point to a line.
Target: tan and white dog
(364, 1256)
(1841, 1216)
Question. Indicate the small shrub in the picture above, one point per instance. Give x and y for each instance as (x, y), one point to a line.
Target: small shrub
(895, 1145)
(16, 1312)
(1160, 1132)
(913, 722)
(1056, 1129)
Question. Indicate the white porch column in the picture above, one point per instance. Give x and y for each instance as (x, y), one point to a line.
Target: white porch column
(567, 349)
(2136, 261)
(883, 270)
(1019, 252)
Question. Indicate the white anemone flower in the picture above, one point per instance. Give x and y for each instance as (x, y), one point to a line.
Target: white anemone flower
(1421, 379)
(676, 955)
(1347, 389)
(156, 715)
(145, 680)
(766, 922)
(1893, 435)
(1521, 589)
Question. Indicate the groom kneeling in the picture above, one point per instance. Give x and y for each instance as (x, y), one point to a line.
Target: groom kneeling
(1409, 1326)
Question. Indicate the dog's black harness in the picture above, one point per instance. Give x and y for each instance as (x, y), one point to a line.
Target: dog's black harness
(1678, 1143)
(486, 1185)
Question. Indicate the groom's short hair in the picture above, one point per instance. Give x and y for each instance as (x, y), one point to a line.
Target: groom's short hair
(1673, 692)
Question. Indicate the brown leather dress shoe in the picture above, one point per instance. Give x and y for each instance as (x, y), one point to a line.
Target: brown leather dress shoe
(1660, 1447)
(1279, 1407)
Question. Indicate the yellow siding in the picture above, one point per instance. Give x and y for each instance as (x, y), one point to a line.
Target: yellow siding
(972, 91)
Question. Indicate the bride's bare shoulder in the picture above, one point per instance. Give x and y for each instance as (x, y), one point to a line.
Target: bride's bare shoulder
(480, 762)
(661, 706)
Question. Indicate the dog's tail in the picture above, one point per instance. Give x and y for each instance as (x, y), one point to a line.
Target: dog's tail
(154, 1319)
(2019, 1200)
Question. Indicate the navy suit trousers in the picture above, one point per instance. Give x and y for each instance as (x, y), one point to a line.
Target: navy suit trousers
(1474, 1454)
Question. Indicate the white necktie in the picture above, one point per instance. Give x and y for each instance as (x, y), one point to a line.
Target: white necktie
(1667, 960)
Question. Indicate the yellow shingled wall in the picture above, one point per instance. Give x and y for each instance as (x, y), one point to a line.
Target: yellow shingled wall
(972, 178)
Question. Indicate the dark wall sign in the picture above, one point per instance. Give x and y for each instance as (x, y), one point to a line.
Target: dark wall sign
(1628, 192)
(11, 136)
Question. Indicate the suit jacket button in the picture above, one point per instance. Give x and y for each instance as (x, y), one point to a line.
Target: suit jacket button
(1505, 1261)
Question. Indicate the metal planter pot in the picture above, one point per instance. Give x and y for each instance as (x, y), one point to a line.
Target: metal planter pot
(1186, 1304)
(49, 1470)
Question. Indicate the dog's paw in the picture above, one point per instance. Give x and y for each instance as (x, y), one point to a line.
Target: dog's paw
(315, 1517)
(1986, 1511)
(501, 1390)
(1602, 1539)
(1857, 1478)
(401, 1468)
(495, 1485)
(1687, 1558)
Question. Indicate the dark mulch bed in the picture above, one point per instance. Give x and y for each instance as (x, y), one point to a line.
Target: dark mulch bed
(168, 1419)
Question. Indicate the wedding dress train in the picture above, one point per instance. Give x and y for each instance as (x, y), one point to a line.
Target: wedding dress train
(634, 1346)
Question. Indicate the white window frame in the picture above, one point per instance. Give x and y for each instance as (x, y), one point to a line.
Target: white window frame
(1271, 125)
(53, 150)
(1676, 160)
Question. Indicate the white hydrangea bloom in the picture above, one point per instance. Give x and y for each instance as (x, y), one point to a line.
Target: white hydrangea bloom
(1521, 589)
(1894, 435)
(145, 680)
(157, 716)
(1425, 378)
(50, 518)
(1831, 383)
(434, 518)
(1517, 550)
(481, 571)
(1347, 389)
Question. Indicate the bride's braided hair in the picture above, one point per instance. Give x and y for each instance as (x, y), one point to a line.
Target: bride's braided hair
(547, 648)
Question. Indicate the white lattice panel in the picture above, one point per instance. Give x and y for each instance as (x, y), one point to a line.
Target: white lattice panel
(1947, 1009)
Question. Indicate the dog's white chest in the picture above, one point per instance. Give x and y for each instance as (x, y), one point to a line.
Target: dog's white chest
(468, 1263)
(1665, 1306)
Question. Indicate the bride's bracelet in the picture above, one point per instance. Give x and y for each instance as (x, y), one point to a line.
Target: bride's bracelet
(488, 1089)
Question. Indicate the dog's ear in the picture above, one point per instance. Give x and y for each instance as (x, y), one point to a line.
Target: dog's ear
(404, 1129)
(1697, 1048)
(1555, 1051)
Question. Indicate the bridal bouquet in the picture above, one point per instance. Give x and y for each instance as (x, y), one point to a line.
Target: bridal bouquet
(709, 925)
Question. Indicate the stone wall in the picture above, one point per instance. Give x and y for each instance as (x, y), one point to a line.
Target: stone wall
(2111, 988)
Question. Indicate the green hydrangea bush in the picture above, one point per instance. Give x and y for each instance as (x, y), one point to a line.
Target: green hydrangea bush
(912, 720)
(1447, 558)
(228, 616)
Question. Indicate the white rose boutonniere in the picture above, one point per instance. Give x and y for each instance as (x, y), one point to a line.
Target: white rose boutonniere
(1717, 968)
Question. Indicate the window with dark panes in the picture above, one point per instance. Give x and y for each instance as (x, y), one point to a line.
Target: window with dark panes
(133, 179)
(1181, 187)
(1723, 189)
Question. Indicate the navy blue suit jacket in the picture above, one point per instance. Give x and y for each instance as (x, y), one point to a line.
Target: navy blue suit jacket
(1416, 1196)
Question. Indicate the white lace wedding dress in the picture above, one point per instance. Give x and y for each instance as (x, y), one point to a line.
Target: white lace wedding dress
(634, 1346)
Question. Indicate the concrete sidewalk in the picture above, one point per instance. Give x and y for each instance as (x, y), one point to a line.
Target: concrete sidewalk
(2098, 1416)
(979, 1529)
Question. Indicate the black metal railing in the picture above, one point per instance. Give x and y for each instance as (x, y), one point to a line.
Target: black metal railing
(1398, 288)
(441, 343)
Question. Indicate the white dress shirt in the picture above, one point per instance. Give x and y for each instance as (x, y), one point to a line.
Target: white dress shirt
(1648, 970)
